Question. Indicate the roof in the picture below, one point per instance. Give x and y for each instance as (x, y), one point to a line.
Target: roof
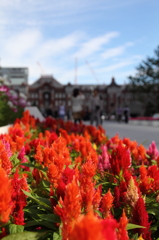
(113, 83)
(46, 79)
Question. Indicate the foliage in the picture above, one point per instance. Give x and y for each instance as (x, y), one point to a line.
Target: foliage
(11, 105)
(145, 83)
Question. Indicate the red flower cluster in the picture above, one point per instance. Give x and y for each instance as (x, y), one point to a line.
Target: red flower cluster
(89, 186)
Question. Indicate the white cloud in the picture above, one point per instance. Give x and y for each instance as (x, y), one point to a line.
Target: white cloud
(113, 52)
(49, 32)
(95, 44)
(22, 43)
(59, 46)
(120, 64)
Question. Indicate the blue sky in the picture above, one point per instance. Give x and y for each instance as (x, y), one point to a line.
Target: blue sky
(78, 41)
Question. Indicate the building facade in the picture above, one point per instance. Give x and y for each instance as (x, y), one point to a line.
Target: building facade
(48, 94)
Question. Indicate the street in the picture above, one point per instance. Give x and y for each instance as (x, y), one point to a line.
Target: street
(142, 134)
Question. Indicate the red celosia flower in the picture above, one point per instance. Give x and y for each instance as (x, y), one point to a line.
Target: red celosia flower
(21, 156)
(89, 227)
(5, 197)
(153, 174)
(66, 178)
(144, 183)
(109, 228)
(37, 175)
(140, 217)
(3, 233)
(120, 159)
(19, 198)
(117, 202)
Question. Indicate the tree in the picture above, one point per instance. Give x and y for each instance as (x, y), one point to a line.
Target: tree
(145, 83)
(11, 104)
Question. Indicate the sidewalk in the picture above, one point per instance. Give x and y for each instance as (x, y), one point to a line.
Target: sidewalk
(153, 123)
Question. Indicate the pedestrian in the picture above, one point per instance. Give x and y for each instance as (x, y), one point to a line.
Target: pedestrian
(77, 105)
(95, 108)
(119, 114)
(61, 111)
(126, 114)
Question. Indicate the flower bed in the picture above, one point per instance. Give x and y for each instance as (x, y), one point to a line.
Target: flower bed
(65, 181)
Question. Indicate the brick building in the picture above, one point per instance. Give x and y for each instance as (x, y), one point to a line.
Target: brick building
(47, 94)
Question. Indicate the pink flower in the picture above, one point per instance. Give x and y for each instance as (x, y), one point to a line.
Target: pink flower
(103, 159)
(153, 151)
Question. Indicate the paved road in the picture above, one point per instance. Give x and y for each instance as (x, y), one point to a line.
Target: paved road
(142, 134)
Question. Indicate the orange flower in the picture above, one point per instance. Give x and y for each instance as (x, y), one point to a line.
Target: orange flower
(5, 197)
(122, 232)
(106, 203)
(53, 174)
(144, 184)
(97, 198)
(89, 227)
(69, 209)
(4, 159)
(87, 184)
(39, 154)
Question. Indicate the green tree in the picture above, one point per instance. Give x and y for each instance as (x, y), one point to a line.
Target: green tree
(145, 84)
(7, 115)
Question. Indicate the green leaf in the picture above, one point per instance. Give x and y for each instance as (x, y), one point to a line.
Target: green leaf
(50, 217)
(33, 210)
(153, 211)
(40, 201)
(108, 184)
(13, 228)
(39, 222)
(45, 184)
(28, 165)
(25, 236)
(135, 237)
(45, 201)
(34, 166)
(56, 236)
(133, 226)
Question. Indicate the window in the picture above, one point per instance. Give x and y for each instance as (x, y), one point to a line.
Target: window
(17, 81)
(46, 95)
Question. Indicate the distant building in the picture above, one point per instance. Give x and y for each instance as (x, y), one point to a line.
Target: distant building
(47, 93)
(17, 77)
